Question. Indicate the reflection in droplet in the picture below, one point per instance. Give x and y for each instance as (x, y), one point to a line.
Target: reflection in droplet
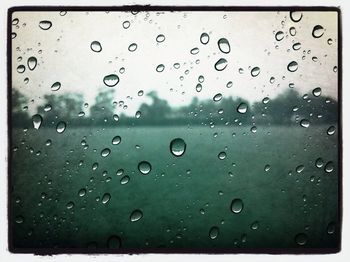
(96, 46)
(279, 35)
(144, 167)
(221, 64)
(317, 31)
(242, 108)
(45, 25)
(255, 71)
(214, 232)
(301, 239)
(160, 38)
(111, 80)
(132, 47)
(292, 66)
(329, 167)
(106, 197)
(331, 130)
(217, 97)
(224, 45)
(61, 126)
(160, 68)
(56, 86)
(305, 123)
(105, 152)
(237, 205)
(177, 147)
(32, 62)
(204, 38)
(37, 120)
(136, 215)
(296, 16)
(317, 91)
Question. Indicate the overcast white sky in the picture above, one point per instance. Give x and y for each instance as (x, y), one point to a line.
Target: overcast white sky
(66, 56)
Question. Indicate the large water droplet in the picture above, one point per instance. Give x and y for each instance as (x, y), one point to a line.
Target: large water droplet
(224, 45)
(21, 69)
(45, 25)
(317, 91)
(105, 152)
(222, 155)
(329, 167)
(96, 46)
(61, 126)
(296, 16)
(32, 62)
(204, 38)
(114, 242)
(144, 167)
(177, 147)
(305, 123)
(221, 64)
(331, 130)
(160, 68)
(217, 97)
(242, 108)
(301, 239)
(237, 205)
(37, 120)
(255, 71)
(292, 66)
(111, 80)
(132, 47)
(214, 232)
(317, 31)
(56, 86)
(160, 38)
(116, 140)
(279, 35)
(136, 215)
(106, 197)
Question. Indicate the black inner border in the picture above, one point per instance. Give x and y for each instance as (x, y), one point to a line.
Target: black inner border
(145, 8)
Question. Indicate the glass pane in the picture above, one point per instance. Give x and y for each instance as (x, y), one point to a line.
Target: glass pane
(160, 131)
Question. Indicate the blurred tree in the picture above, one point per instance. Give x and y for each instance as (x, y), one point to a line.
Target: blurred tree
(103, 109)
(19, 116)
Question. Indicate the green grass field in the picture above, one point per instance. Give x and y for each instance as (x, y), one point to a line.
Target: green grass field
(182, 198)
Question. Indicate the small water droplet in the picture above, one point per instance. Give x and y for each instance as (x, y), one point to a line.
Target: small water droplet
(331, 130)
(242, 108)
(114, 242)
(194, 51)
(160, 68)
(204, 38)
(136, 215)
(126, 24)
(254, 225)
(267, 168)
(32, 62)
(55, 86)
(132, 47)
(279, 35)
(319, 162)
(292, 66)
(63, 13)
(296, 16)
(21, 69)
(116, 117)
(124, 180)
(300, 169)
(37, 120)
(177, 147)
(317, 31)
(305, 123)
(329, 167)
(236, 205)
(253, 129)
(266, 100)
(94, 166)
(120, 172)
(140, 93)
(105, 152)
(198, 87)
(111, 80)
(317, 91)
(144, 167)
(19, 219)
(45, 25)
(116, 140)
(331, 228)
(61, 127)
(222, 155)
(229, 84)
(292, 31)
(224, 45)
(13, 35)
(160, 38)
(106, 197)
(214, 232)
(15, 21)
(255, 71)
(70, 205)
(301, 239)
(221, 64)
(138, 114)
(296, 46)
(82, 192)
(96, 46)
(217, 97)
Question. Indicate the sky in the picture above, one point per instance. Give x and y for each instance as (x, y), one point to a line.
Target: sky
(64, 55)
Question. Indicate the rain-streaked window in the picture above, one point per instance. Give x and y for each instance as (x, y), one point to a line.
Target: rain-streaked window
(159, 131)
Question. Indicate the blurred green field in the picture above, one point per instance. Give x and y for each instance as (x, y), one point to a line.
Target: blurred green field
(182, 198)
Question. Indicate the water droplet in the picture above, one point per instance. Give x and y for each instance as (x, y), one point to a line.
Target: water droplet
(237, 205)
(194, 51)
(120, 172)
(204, 38)
(279, 35)
(255, 71)
(329, 167)
(106, 197)
(331, 130)
(136, 215)
(55, 86)
(267, 168)
(21, 69)
(105, 152)
(15, 21)
(292, 31)
(229, 84)
(176, 65)
(305, 123)
(198, 87)
(19, 219)
(132, 47)
(160, 38)
(116, 140)
(61, 126)
(317, 91)
(37, 120)
(301, 239)
(13, 35)
(94, 166)
(242, 108)
(292, 66)
(330, 41)
(319, 162)
(140, 93)
(138, 114)
(114, 242)
(82, 192)
(45, 25)
(32, 62)
(266, 100)
(331, 228)
(217, 97)
(111, 80)
(124, 180)
(48, 142)
(63, 13)
(214, 232)
(296, 16)
(126, 24)
(300, 169)
(96, 46)
(144, 167)
(254, 225)
(116, 117)
(70, 205)
(317, 31)
(160, 68)
(224, 45)
(222, 155)
(177, 147)
(253, 129)
(221, 64)
(296, 46)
